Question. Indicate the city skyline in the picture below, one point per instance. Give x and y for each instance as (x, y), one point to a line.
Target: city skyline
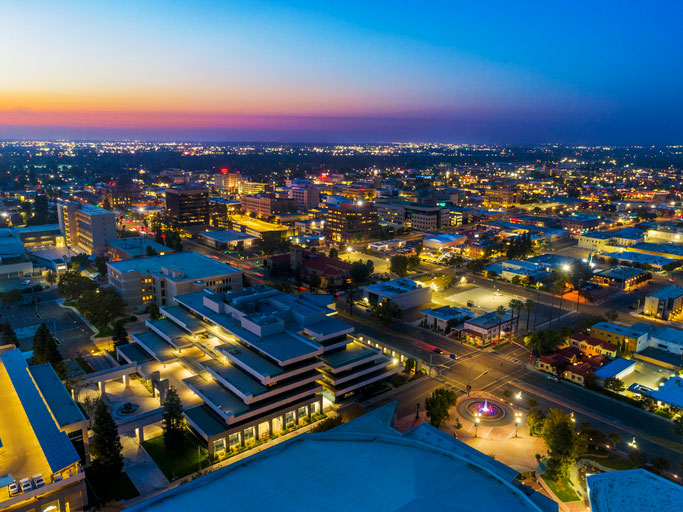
(342, 73)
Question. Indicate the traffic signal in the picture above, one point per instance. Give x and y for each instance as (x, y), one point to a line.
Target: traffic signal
(469, 387)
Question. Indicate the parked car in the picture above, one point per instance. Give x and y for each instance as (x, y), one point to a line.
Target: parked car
(38, 481)
(13, 489)
(25, 282)
(26, 485)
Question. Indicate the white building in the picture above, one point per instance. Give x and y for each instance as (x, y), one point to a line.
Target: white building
(403, 292)
(86, 226)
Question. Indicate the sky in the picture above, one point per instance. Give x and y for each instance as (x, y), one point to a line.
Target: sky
(524, 72)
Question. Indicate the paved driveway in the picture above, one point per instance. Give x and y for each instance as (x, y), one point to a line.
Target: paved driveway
(141, 469)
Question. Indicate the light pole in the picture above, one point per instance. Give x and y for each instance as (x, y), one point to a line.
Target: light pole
(476, 424)
(518, 420)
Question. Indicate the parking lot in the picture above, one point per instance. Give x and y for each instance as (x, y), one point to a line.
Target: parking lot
(72, 334)
(482, 298)
(647, 374)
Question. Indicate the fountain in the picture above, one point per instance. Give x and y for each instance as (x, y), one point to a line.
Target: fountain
(486, 411)
(129, 408)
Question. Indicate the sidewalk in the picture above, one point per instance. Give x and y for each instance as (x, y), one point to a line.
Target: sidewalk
(141, 469)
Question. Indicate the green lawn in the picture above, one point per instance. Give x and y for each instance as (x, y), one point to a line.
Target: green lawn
(613, 461)
(562, 490)
(106, 489)
(177, 465)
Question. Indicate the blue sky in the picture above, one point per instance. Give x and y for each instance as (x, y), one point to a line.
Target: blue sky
(507, 72)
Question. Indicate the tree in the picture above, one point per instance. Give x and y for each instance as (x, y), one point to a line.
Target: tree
(614, 384)
(409, 365)
(477, 266)
(545, 342)
(359, 272)
(72, 285)
(661, 465)
(515, 306)
(45, 348)
(638, 458)
(438, 404)
(387, 312)
(528, 306)
(399, 265)
(413, 261)
(614, 438)
(51, 277)
(101, 307)
(173, 422)
(371, 266)
(120, 336)
(535, 419)
(678, 425)
(563, 445)
(9, 337)
(314, 282)
(500, 310)
(106, 446)
(154, 312)
(334, 253)
(101, 265)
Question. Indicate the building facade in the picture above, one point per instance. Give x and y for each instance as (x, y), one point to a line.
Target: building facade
(187, 206)
(351, 222)
(159, 279)
(86, 226)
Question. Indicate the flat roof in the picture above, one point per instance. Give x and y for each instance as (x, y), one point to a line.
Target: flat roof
(620, 272)
(191, 322)
(671, 392)
(30, 414)
(227, 236)
(179, 338)
(409, 472)
(137, 245)
(661, 248)
(206, 420)
(447, 312)
(617, 329)
(393, 288)
(633, 490)
(488, 320)
(134, 353)
(155, 345)
(237, 352)
(640, 257)
(236, 377)
(613, 368)
(668, 292)
(192, 264)
(217, 395)
(257, 225)
(63, 408)
(354, 351)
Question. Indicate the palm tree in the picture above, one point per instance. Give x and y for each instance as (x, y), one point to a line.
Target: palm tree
(516, 307)
(528, 306)
(501, 311)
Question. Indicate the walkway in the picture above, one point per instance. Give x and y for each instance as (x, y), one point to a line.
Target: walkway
(141, 469)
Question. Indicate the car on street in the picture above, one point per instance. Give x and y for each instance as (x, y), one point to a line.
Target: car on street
(553, 378)
(453, 356)
(25, 282)
(13, 489)
(437, 350)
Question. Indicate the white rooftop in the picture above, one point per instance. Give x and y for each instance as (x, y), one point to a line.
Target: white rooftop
(635, 490)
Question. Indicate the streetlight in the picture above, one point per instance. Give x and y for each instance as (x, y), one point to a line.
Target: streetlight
(476, 423)
(518, 420)
(518, 396)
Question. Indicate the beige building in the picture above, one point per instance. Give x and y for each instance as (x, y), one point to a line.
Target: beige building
(86, 226)
(158, 279)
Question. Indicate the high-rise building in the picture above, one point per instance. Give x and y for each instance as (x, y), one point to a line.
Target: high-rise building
(227, 181)
(306, 197)
(86, 226)
(351, 222)
(119, 195)
(187, 206)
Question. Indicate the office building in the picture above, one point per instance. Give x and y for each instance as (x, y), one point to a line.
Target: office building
(39, 427)
(306, 198)
(351, 222)
(267, 204)
(227, 181)
(248, 188)
(187, 206)
(623, 278)
(489, 328)
(120, 196)
(417, 216)
(627, 338)
(135, 247)
(158, 279)
(502, 197)
(268, 360)
(664, 303)
(364, 464)
(221, 211)
(404, 293)
(86, 228)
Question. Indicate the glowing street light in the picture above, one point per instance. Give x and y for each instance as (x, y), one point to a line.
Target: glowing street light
(476, 423)
(518, 396)
(518, 420)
